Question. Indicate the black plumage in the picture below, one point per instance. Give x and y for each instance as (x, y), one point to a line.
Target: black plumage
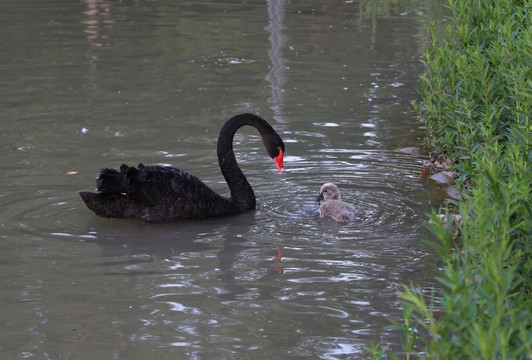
(162, 193)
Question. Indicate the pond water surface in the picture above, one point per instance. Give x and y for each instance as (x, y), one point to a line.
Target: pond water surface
(94, 83)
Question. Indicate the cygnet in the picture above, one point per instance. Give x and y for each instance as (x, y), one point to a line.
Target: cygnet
(333, 206)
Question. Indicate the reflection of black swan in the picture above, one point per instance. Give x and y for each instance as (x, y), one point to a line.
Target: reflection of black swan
(333, 206)
(163, 193)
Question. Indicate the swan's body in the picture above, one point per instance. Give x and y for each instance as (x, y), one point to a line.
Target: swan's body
(163, 193)
(333, 207)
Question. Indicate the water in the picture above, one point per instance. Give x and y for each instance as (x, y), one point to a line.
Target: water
(100, 83)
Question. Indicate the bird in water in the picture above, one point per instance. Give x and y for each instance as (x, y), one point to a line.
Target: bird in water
(156, 193)
(333, 207)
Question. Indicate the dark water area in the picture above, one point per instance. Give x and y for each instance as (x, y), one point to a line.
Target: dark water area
(88, 84)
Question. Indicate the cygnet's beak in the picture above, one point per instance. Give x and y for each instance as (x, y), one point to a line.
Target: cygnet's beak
(319, 197)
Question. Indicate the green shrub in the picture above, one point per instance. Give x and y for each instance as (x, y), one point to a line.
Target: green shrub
(476, 105)
(477, 82)
(485, 308)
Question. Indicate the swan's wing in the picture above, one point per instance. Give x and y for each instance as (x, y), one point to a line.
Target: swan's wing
(154, 185)
(192, 191)
(148, 184)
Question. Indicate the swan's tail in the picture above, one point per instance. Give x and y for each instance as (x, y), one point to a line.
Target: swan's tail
(113, 199)
(106, 205)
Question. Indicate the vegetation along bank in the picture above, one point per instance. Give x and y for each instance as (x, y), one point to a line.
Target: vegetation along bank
(476, 101)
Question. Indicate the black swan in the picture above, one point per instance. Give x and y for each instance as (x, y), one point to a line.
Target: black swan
(333, 206)
(162, 193)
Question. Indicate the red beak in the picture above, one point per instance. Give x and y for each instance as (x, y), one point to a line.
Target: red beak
(279, 161)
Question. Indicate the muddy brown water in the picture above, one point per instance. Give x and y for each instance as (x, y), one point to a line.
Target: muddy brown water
(87, 84)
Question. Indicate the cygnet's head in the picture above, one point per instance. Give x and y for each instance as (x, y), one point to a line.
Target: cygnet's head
(329, 191)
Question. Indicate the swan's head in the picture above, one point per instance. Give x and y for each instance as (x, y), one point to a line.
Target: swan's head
(328, 191)
(275, 147)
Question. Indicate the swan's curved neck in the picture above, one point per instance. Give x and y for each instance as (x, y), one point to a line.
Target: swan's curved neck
(241, 191)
